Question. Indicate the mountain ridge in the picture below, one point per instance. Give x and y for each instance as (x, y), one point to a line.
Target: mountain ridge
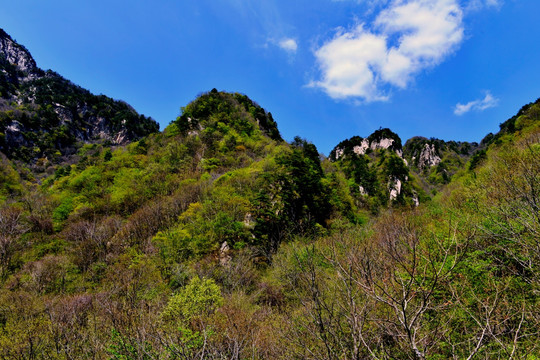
(214, 238)
(44, 116)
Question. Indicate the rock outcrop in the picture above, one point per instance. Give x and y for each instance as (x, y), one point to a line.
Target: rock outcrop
(43, 115)
(428, 157)
(380, 139)
(16, 54)
(375, 163)
(394, 185)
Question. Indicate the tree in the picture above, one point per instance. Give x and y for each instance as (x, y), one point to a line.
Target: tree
(188, 311)
(11, 227)
(292, 198)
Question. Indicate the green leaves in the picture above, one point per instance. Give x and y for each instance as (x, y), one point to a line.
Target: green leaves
(198, 299)
(227, 113)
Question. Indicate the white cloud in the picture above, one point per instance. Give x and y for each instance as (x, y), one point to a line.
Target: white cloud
(477, 105)
(404, 39)
(347, 62)
(476, 5)
(289, 45)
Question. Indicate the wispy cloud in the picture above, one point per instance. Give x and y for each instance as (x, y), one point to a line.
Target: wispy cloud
(405, 38)
(288, 44)
(476, 105)
(266, 25)
(476, 5)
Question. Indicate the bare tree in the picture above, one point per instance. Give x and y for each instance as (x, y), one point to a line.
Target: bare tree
(11, 227)
(399, 270)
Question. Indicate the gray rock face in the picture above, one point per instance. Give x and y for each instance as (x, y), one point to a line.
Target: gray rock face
(366, 144)
(394, 186)
(16, 54)
(373, 150)
(46, 115)
(428, 157)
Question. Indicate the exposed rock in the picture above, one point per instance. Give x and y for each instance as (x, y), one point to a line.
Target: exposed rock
(362, 191)
(428, 157)
(380, 139)
(394, 185)
(249, 222)
(224, 256)
(361, 149)
(366, 160)
(415, 199)
(366, 144)
(54, 116)
(16, 54)
(383, 143)
(195, 127)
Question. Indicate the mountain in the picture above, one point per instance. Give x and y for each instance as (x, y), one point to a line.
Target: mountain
(434, 162)
(214, 238)
(217, 239)
(376, 169)
(47, 118)
(381, 171)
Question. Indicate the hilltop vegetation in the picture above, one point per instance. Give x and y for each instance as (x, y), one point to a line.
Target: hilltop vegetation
(217, 239)
(45, 119)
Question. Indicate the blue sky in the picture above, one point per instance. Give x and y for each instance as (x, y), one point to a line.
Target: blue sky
(326, 69)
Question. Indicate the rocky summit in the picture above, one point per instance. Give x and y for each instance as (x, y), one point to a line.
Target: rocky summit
(46, 117)
(217, 239)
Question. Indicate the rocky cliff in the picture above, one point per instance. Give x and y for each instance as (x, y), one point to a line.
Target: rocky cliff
(380, 139)
(435, 161)
(16, 54)
(44, 116)
(376, 169)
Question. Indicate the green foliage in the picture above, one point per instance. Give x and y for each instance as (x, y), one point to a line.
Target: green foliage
(292, 198)
(10, 181)
(196, 300)
(63, 210)
(108, 155)
(477, 158)
(452, 157)
(121, 348)
(269, 252)
(223, 111)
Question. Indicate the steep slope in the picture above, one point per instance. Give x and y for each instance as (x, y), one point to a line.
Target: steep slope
(215, 239)
(377, 172)
(434, 162)
(10, 181)
(237, 181)
(219, 110)
(377, 176)
(44, 116)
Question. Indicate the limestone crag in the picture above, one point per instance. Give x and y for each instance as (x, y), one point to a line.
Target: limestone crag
(16, 54)
(428, 157)
(47, 116)
(380, 140)
(394, 186)
(379, 155)
(384, 143)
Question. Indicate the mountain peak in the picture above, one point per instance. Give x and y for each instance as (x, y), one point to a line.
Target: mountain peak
(217, 109)
(380, 139)
(15, 54)
(45, 116)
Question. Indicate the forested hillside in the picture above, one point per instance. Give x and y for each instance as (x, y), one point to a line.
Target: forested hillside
(216, 239)
(45, 118)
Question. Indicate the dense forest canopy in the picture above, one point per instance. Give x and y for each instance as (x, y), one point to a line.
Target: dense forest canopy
(217, 239)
